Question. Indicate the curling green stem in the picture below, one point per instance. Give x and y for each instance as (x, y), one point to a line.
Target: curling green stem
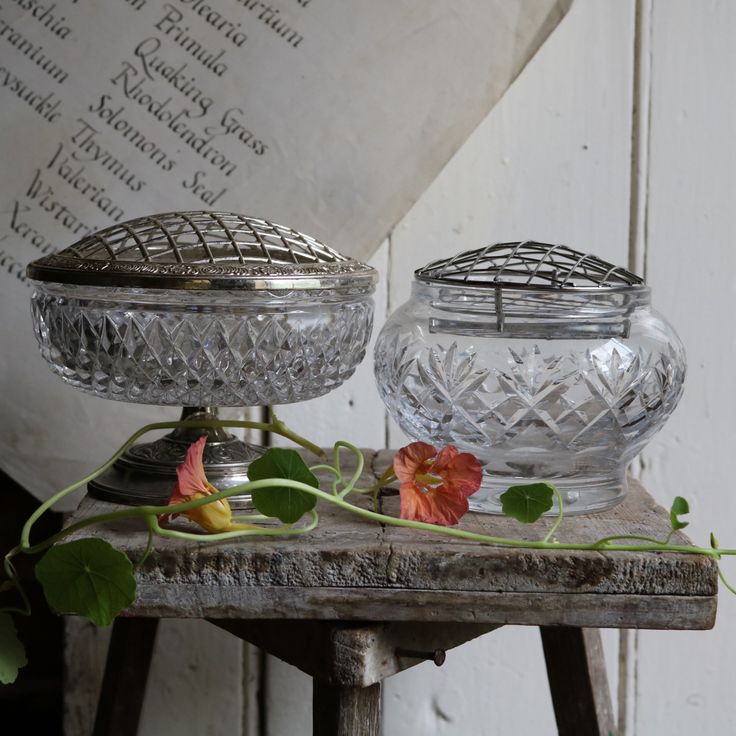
(636, 537)
(149, 543)
(560, 513)
(12, 576)
(324, 466)
(336, 481)
(275, 425)
(724, 581)
(280, 531)
(152, 511)
(446, 531)
(387, 477)
(360, 463)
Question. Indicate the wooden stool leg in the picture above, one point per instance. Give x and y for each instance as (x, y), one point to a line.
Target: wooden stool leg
(577, 681)
(346, 711)
(126, 672)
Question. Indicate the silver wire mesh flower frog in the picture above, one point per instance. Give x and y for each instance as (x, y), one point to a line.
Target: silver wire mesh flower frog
(547, 363)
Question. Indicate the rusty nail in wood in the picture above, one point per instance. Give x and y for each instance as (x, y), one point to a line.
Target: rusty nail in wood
(437, 656)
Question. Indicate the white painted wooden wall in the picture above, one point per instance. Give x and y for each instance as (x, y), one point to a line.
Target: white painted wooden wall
(617, 139)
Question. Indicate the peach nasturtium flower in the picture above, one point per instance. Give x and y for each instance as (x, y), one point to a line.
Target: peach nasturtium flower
(435, 486)
(193, 484)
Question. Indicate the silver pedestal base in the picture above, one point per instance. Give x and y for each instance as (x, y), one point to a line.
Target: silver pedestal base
(146, 473)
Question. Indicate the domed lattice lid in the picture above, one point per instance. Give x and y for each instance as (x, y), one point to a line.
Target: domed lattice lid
(528, 265)
(202, 250)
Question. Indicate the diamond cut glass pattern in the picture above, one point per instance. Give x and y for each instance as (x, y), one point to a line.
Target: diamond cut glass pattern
(285, 350)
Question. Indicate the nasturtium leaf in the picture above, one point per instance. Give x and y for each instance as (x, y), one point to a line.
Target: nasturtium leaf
(12, 651)
(679, 507)
(89, 577)
(528, 502)
(286, 504)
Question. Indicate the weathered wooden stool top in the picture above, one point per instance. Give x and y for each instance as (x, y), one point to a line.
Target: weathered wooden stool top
(350, 569)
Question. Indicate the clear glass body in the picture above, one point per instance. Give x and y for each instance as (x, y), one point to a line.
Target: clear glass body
(202, 348)
(565, 386)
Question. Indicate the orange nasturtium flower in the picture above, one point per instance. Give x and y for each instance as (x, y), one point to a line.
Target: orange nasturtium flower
(193, 484)
(435, 486)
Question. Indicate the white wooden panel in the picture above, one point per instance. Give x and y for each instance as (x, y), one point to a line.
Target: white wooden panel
(493, 685)
(288, 700)
(682, 678)
(551, 162)
(194, 683)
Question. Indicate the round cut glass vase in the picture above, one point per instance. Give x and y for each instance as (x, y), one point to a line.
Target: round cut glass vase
(559, 385)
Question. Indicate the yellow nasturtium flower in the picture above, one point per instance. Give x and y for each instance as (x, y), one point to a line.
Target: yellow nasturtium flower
(192, 484)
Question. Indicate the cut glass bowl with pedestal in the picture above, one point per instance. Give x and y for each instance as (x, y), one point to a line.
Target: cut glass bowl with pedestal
(547, 363)
(200, 310)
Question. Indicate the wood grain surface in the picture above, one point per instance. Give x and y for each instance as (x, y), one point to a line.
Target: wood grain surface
(350, 568)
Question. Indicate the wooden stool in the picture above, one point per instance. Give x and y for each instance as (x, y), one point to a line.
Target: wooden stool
(354, 602)
(349, 662)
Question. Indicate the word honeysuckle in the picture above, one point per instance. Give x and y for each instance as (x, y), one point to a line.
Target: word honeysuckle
(91, 578)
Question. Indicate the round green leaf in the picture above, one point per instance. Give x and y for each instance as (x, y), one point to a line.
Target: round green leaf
(528, 502)
(286, 504)
(679, 507)
(89, 577)
(12, 651)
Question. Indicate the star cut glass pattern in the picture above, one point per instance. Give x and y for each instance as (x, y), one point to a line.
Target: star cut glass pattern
(546, 363)
(554, 402)
(535, 413)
